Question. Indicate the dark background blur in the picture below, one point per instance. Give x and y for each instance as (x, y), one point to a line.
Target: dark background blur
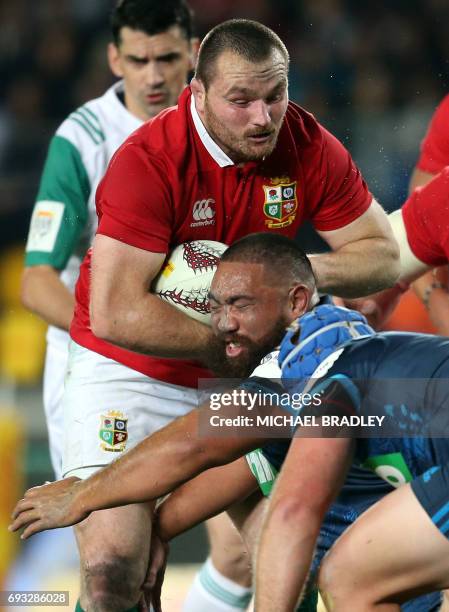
(371, 72)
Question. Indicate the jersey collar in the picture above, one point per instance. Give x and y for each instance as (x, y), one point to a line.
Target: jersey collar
(120, 112)
(211, 146)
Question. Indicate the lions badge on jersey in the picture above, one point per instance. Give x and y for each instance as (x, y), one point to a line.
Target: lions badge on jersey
(113, 432)
(280, 203)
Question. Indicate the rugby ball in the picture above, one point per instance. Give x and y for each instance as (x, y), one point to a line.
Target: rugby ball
(185, 279)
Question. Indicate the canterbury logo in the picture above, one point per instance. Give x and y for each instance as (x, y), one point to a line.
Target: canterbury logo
(203, 210)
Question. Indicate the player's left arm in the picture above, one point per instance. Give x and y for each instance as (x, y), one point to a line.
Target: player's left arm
(364, 257)
(204, 496)
(310, 478)
(195, 501)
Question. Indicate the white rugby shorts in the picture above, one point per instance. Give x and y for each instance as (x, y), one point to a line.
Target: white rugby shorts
(109, 408)
(54, 372)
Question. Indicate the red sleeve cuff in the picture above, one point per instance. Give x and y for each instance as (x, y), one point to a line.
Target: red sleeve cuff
(130, 234)
(344, 219)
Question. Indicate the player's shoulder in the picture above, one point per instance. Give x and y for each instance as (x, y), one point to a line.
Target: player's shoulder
(83, 127)
(303, 124)
(393, 354)
(302, 132)
(165, 141)
(168, 134)
(95, 122)
(357, 359)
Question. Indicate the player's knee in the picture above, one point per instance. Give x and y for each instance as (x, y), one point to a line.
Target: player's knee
(228, 552)
(233, 561)
(112, 585)
(348, 582)
(334, 578)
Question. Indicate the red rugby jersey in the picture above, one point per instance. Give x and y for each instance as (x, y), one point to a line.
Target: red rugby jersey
(425, 215)
(435, 146)
(166, 174)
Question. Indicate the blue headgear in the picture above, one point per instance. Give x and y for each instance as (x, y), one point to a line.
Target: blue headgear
(316, 335)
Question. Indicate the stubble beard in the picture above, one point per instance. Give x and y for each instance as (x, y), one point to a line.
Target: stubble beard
(236, 148)
(242, 366)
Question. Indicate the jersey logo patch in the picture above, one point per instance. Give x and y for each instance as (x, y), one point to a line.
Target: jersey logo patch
(203, 213)
(390, 467)
(280, 204)
(45, 223)
(113, 432)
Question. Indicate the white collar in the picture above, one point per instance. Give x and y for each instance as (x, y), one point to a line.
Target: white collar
(211, 146)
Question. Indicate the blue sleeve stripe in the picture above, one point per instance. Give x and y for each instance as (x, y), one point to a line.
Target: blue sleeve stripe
(442, 512)
(444, 528)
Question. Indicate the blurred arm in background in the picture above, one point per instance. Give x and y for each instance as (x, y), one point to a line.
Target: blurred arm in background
(59, 217)
(45, 294)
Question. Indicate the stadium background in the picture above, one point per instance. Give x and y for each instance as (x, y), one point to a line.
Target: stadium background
(372, 72)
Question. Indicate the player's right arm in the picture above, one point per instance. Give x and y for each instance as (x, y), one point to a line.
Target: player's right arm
(43, 293)
(124, 312)
(203, 497)
(58, 218)
(137, 217)
(310, 478)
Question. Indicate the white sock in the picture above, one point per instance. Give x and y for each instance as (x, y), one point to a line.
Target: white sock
(213, 592)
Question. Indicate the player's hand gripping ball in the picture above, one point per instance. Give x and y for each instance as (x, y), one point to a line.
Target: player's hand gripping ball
(185, 279)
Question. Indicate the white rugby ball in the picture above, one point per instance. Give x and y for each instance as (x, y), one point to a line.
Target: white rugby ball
(185, 279)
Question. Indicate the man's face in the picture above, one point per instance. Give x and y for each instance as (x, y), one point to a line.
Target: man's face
(249, 316)
(245, 104)
(154, 68)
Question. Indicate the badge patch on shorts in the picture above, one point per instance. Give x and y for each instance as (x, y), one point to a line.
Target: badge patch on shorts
(113, 432)
(45, 223)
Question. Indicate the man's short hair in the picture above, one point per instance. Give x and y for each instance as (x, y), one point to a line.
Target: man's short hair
(249, 39)
(151, 17)
(282, 257)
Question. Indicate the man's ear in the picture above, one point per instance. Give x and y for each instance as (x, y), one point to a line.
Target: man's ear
(299, 300)
(199, 93)
(114, 60)
(194, 48)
